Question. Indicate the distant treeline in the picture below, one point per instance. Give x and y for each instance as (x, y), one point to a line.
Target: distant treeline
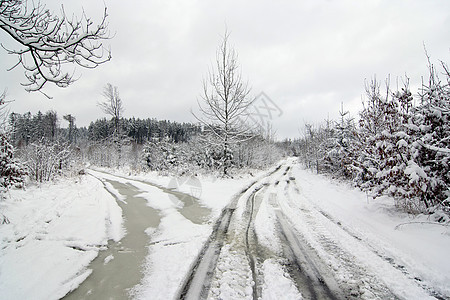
(143, 130)
(46, 127)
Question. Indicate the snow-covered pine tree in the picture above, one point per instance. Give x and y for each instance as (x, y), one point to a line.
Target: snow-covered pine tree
(431, 149)
(327, 148)
(379, 122)
(401, 177)
(387, 136)
(163, 155)
(342, 144)
(398, 149)
(12, 173)
(206, 151)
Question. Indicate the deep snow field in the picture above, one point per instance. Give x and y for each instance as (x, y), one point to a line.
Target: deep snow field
(55, 230)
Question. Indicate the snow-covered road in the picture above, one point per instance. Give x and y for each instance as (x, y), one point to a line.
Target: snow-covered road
(283, 234)
(117, 269)
(275, 242)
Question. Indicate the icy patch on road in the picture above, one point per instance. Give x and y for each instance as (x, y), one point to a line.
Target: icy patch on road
(108, 259)
(114, 192)
(177, 241)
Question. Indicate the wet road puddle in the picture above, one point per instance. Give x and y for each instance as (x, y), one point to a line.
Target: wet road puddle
(118, 268)
(187, 203)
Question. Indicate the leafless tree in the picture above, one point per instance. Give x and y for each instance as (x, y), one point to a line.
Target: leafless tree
(225, 100)
(112, 105)
(49, 41)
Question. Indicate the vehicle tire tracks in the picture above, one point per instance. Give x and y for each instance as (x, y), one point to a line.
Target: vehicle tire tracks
(198, 281)
(387, 258)
(358, 281)
(373, 248)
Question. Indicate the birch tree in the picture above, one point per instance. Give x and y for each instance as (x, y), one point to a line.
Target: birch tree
(225, 101)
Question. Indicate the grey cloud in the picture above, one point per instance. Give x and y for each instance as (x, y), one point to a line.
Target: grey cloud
(309, 56)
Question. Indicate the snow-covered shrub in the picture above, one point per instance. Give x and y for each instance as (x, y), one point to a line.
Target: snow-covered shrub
(133, 155)
(44, 160)
(339, 148)
(204, 154)
(102, 153)
(256, 153)
(200, 154)
(12, 172)
(164, 156)
(311, 147)
(387, 147)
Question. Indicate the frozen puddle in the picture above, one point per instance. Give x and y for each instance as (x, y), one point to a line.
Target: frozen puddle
(117, 269)
(187, 202)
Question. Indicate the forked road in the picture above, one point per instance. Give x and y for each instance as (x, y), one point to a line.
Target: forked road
(271, 242)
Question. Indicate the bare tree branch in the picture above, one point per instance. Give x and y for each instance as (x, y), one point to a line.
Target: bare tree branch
(49, 41)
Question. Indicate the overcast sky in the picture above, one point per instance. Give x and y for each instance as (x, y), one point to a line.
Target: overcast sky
(307, 56)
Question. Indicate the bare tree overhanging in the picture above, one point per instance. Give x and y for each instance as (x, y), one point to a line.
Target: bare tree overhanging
(48, 42)
(225, 101)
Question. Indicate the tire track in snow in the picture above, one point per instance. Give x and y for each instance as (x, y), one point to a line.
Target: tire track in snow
(251, 241)
(304, 271)
(388, 259)
(198, 281)
(309, 274)
(355, 280)
(316, 262)
(375, 250)
(304, 267)
(254, 251)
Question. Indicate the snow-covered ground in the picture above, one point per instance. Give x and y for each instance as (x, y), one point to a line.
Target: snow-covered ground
(335, 236)
(54, 232)
(363, 245)
(416, 246)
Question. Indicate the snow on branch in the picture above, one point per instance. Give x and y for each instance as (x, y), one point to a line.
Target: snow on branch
(434, 148)
(49, 41)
